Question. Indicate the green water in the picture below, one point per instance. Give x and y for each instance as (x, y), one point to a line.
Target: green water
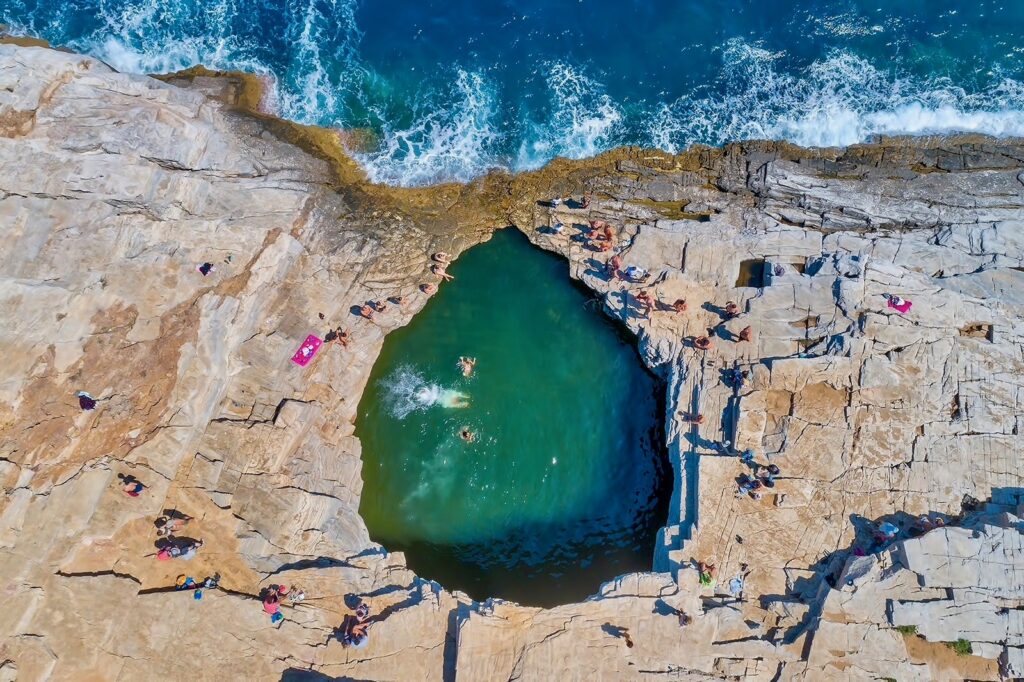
(564, 487)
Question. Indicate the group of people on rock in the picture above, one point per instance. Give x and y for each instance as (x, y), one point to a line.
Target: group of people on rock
(439, 267)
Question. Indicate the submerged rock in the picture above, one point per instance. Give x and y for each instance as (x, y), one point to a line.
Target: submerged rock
(115, 188)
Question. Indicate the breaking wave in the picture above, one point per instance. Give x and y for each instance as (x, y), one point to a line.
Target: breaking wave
(835, 102)
(461, 120)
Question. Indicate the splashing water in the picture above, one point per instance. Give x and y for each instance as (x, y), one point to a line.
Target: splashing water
(408, 391)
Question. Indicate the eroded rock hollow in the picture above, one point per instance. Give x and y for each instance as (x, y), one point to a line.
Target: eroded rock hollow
(115, 188)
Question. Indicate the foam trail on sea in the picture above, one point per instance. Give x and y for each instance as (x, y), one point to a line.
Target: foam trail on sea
(407, 391)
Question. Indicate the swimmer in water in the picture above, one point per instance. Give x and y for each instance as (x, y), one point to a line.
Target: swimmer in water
(467, 435)
(453, 399)
(467, 365)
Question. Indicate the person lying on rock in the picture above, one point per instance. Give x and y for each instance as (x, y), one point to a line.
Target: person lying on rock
(167, 526)
(131, 486)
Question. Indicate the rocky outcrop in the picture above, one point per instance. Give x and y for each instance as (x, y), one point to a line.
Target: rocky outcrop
(114, 188)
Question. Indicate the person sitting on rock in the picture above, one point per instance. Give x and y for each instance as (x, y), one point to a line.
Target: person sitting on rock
(707, 573)
(205, 269)
(272, 604)
(379, 306)
(441, 257)
(86, 401)
(585, 201)
(189, 549)
(367, 312)
(768, 477)
(354, 630)
(428, 288)
(697, 419)
(680, 305)
(439, 270)
(167, 525)
(702, 343)
(745, 334)
(885, 532)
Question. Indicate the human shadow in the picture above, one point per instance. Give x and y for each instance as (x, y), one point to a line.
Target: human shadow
(597, 269)
(715, 310)
(614, 630)
(318, 562)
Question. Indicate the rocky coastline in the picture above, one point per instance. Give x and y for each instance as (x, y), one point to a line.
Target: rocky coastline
(114, 187)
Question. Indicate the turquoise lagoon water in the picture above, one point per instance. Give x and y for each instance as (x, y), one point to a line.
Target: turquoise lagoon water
(455, 87)
(563, 487)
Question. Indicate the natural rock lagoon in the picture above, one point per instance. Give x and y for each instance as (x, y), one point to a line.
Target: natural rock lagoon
(562, 486)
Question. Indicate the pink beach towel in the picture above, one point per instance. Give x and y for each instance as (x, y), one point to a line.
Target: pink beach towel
(307, 350)
(900, 307)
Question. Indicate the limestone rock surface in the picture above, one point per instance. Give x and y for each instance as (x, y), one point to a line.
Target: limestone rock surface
(115, 188)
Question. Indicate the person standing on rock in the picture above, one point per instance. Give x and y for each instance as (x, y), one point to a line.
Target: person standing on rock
(745, 334)
(645, 301)
(614, 265)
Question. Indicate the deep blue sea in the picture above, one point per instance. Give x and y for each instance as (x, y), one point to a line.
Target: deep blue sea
(456, 87)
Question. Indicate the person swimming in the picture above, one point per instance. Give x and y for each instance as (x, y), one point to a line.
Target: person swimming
(467, 435)
(453, 399)
(466, 365)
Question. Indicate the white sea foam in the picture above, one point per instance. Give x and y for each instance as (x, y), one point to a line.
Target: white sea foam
(583, 120)
(837, 101)
(407, 391)
(462, 130)
(454, 138)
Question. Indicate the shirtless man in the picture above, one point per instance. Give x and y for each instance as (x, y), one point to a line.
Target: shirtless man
(467, 365)
(645, 301)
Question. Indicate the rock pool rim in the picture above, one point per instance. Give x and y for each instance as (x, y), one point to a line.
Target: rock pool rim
(553, 572)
